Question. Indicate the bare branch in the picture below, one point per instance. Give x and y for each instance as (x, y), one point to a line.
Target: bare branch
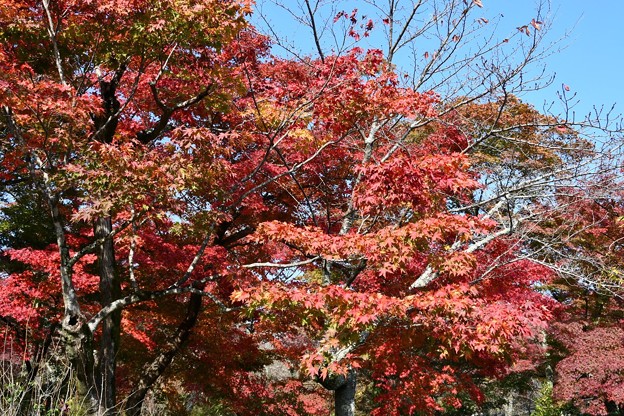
(194, 262)
(153, 295)
(317, 39)
(52, 33)
(90, 248)
(282, 265)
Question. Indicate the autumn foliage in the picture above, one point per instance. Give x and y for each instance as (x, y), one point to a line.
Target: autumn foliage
(188, 213)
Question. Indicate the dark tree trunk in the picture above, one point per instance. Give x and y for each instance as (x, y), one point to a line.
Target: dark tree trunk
(157, 367)
(344, 391)
(110, 290)
(344, 396)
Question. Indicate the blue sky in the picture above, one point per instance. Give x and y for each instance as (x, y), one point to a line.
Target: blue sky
(592, 54)
(588, 57)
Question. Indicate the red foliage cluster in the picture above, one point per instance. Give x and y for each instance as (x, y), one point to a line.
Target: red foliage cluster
(294, 198)
(591, 375)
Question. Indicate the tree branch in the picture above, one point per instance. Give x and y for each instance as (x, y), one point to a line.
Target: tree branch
(282, 265)
(52, 32)
(153, 295)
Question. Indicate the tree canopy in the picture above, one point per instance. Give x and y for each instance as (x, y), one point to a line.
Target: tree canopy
(197, 214)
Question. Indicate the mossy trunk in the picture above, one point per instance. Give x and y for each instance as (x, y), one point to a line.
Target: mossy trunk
(78, 346)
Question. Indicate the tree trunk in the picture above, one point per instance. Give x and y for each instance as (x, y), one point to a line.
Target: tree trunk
(78, 343)
(157, 367)
(344, 396)
(110, 291)
(344, 391)
(76, 336)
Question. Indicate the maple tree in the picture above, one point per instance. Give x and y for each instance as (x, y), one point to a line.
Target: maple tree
(97, 115)
(593, 385)
(521, 160)
(173, 189)
(590, 288)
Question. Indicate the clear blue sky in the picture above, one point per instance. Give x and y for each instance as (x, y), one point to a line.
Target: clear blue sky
(589, 57)
(592, 58)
